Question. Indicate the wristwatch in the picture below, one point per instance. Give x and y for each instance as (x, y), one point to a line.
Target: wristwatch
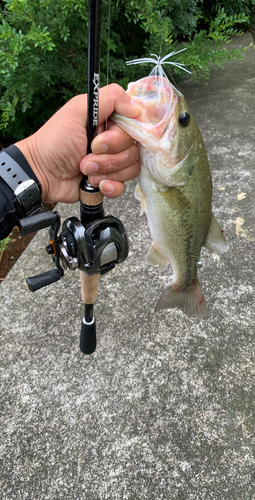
(24, 188)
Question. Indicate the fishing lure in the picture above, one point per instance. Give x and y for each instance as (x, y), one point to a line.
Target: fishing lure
(158, 70)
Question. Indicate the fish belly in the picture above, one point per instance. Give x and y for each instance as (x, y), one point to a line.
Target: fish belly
(168, 226)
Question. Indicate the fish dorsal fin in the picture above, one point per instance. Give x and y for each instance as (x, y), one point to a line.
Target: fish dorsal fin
(215, 239)
(139, 195)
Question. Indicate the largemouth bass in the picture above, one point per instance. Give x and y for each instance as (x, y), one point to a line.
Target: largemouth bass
(174, 188)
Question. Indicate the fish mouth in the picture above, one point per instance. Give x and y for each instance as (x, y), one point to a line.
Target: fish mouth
(157, 98)
(155, 95)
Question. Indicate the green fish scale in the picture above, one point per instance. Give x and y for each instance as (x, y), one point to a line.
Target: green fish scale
(179, 217)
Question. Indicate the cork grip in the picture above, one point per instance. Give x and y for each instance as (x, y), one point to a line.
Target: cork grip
(89, 286)
(91, 198)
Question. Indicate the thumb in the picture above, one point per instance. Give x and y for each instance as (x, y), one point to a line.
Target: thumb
(114, 98)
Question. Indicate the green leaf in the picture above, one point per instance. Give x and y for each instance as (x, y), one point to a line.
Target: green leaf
(43, 48)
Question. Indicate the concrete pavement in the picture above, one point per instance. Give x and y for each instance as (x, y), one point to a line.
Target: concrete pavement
(165, 408)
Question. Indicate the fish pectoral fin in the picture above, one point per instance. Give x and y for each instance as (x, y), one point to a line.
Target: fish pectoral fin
(139, 195)
(188, 299)
(179, 175)
(177, 178)
(179, 202)
(155, 258)
(215, 239)
(138, 192)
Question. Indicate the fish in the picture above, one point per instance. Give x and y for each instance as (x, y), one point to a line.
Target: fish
(174, 188)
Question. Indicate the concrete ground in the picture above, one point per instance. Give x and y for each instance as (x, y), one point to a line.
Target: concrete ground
(165, 408)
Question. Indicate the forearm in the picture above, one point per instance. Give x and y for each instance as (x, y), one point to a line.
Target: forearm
(8, 212)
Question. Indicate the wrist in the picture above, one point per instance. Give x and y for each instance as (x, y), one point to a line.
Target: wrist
(29, 150)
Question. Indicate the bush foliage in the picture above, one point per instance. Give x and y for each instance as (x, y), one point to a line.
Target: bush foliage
(43, 47)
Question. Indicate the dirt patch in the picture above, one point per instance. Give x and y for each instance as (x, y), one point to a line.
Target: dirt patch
(12, 251)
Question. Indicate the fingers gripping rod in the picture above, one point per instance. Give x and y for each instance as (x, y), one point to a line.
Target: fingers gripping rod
(95, 243)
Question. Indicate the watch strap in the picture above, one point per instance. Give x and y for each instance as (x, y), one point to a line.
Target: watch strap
(25, 189)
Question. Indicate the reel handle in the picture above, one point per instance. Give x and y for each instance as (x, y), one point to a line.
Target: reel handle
(38, 221)
(34, 283)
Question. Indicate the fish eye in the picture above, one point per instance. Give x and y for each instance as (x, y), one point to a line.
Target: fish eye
(184, 119)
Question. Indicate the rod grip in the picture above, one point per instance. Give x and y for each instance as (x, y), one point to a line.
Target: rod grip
(91, 198)
(88, 340)
(89, 286)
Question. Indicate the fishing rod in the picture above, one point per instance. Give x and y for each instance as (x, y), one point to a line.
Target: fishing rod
(95, 243)
(91, 200)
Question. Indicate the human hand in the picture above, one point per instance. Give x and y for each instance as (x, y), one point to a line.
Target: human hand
(57, 151)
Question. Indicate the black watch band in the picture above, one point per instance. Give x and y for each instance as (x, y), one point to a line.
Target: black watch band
(25, 189)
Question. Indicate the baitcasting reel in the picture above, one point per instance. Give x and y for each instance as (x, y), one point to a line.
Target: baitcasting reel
(93, 249)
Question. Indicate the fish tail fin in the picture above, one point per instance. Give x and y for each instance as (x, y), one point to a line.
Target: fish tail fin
(189, 299)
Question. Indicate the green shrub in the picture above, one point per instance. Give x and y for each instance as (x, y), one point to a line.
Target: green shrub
(3, 245)
(43, 47)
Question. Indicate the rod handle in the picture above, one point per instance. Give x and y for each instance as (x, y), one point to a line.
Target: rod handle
(88, 339)
(91, 198)
(89, 285)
